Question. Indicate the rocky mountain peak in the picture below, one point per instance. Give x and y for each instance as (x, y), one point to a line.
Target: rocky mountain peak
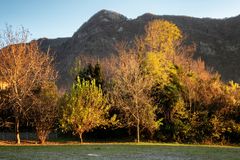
(107, 16)
(101, 21)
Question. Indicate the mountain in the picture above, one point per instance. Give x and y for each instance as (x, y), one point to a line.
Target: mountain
(217, 40)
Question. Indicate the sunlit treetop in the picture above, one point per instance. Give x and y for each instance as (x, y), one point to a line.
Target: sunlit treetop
(162, 36)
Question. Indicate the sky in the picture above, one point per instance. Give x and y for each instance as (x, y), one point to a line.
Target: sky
(61, 18)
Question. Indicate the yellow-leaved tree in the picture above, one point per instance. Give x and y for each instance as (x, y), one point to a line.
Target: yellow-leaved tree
(85, 108)
(162, 36)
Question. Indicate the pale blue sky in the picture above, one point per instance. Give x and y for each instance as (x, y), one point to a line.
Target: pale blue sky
(61, 18)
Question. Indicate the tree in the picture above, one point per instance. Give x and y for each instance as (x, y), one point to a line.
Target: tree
(131, 93)
(91, 72)
(226, 122)
(166, 97)
(24, 68)
(44, 111)
(162, 36)
(166, 93)
(85, 108)
(138, 69)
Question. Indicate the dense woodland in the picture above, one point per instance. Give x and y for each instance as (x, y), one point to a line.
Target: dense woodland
(153, 90)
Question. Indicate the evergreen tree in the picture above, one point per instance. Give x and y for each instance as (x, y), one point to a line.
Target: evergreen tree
(92, 72)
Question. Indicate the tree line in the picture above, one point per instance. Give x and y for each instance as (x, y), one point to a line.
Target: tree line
(153, 87)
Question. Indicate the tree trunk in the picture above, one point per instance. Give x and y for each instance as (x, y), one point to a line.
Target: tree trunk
(81, 137)
(138, 121)
(17, 133)
(138, 130)
(42, 132)
(42, 140)
(42, 136)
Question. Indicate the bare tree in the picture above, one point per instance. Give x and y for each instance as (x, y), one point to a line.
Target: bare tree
(131, 92)
(24, 68)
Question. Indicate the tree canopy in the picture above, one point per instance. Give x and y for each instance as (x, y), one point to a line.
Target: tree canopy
(85, 108)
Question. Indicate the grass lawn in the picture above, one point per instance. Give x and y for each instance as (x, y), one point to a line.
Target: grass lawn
(119, 152)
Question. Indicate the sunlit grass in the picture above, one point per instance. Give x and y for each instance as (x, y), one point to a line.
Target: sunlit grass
(119, 151)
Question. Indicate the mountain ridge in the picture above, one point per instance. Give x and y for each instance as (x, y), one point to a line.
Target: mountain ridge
(217, 40)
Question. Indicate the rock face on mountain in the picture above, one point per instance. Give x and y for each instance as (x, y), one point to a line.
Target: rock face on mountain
(217, 40)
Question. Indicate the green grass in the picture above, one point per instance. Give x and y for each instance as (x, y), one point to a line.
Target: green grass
(119, 152)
